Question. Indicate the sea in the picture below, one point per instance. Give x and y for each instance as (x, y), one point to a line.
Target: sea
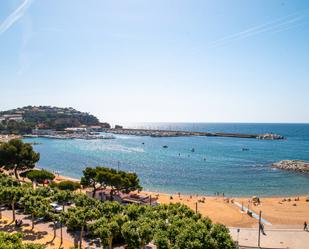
(191, 165)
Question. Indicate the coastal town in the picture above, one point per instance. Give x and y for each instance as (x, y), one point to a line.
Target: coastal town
(59, 126)
(154, 124)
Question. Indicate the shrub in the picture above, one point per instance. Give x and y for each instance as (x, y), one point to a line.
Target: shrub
(68, 185)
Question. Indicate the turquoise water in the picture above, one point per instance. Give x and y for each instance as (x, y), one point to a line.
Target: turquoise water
(226, 169)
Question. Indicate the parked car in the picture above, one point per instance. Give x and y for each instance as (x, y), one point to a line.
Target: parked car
(57, 208)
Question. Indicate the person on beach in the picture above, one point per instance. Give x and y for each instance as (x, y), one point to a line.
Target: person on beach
(262, 229)
(305, 226)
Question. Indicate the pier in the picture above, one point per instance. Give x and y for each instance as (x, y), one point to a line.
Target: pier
(170, 133)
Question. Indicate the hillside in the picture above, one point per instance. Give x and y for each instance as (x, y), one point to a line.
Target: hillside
(22, 120)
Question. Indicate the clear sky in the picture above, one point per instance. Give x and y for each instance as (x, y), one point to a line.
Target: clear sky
(159, 60)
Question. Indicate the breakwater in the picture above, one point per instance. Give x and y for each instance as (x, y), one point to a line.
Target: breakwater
(292, 165)
(169, 133)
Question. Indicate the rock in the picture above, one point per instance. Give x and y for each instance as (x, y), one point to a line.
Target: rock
(292, 165)
(270, 136)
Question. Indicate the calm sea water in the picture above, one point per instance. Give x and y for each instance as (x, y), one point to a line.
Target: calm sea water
(226, 169)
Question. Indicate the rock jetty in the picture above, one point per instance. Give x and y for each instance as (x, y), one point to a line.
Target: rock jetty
(170, 133)
(292, 165)
(270, 136)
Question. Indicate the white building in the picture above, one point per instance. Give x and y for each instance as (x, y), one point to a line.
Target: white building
(8, 117)
(76, 129)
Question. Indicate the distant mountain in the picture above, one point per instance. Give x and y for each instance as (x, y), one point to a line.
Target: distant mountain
(45, 117)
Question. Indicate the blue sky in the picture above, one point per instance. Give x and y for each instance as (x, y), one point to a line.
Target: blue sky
(162, 60)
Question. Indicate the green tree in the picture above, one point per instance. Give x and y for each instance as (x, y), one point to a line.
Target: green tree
(106, 230)
(68, 185)
(116, 180)
(38, 176)
(90, 179)
(82, 200)
(138, 233)
(123, 181)
(220, 234)
(62, 198)
(14, 241)
(10, 196)
(16, 155)
(130, 235)
(6, 181)
(46, 192)
(78, 218)
(57, 218)
(161, 240)
(36, 206)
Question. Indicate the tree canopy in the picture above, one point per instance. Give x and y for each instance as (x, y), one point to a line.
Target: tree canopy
(68, 185)
(39, 176)
(17, 156)
(173, 226)
(107, 177)
(14, 241)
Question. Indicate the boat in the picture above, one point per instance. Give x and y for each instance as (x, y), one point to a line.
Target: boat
(193, 150)
(165, 146)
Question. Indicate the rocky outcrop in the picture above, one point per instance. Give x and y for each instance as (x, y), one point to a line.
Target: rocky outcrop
(292, 165)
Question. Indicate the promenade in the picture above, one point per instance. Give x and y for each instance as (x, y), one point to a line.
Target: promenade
(274, 238)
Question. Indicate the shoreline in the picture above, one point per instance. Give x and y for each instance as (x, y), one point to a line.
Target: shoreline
(64, 177)
(278, 211)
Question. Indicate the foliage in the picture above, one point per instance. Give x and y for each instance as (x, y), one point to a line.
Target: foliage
(35, 205)
(173, 226)
(78, 218)
(44, 192)
(8, 181)
(63, 197)
(90, 179)
(14, 241)
(68, 185)
(16, 127)
(116, 180)
(106, 230)
(10, 196)
(48, 118)
(17, 155)
(39, 176)
(82, 200)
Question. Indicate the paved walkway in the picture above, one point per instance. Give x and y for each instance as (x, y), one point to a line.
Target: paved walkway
(42, 232)
(274, 238)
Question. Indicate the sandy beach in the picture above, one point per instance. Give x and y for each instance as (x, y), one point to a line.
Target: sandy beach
(284, 214)
(281, 212)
